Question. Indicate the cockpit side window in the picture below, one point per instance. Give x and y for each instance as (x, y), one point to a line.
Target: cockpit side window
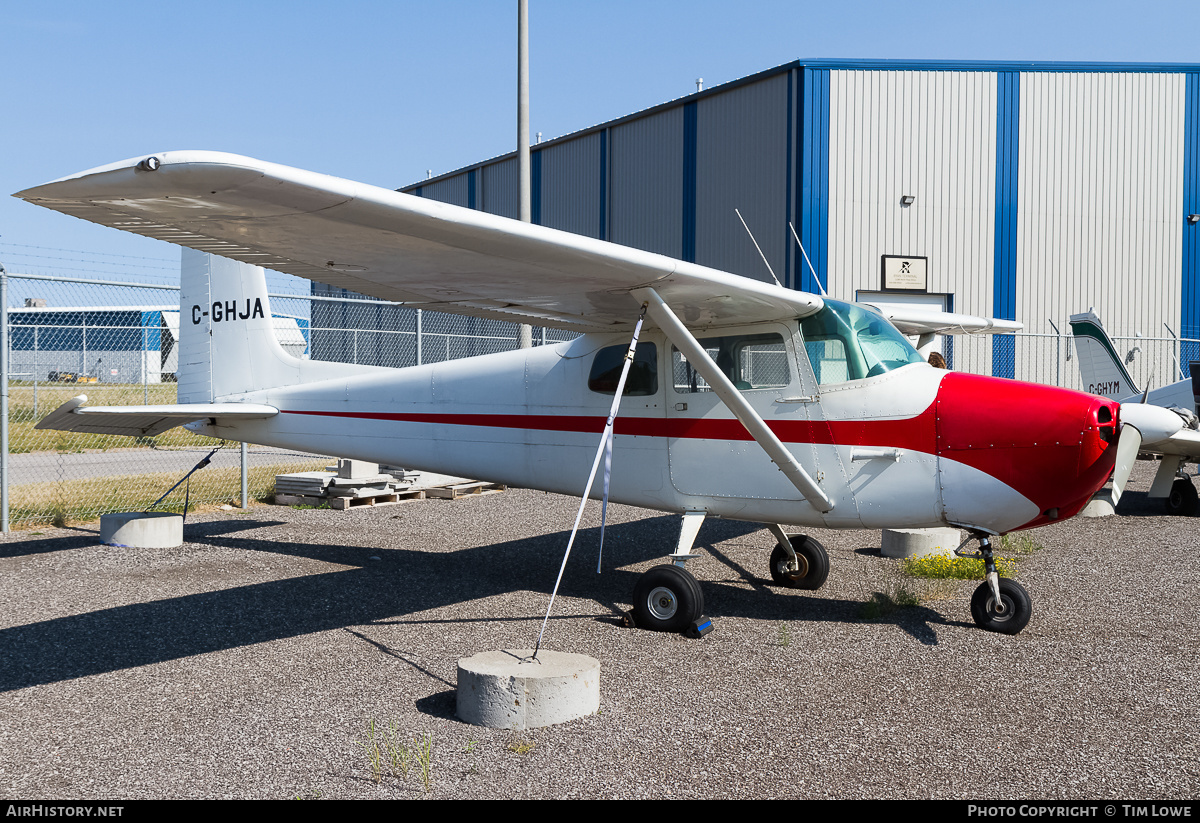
(750, 361)
(643, 372)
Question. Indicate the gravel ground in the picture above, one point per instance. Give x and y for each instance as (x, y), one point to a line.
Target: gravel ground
(248, 662)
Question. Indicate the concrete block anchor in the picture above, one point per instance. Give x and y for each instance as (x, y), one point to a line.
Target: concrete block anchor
(505, 689)
(142, 530)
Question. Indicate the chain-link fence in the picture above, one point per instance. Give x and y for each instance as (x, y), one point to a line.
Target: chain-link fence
(118, 344)
(1152, 362)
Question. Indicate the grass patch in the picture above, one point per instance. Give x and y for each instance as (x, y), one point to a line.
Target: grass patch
(947, 567)
(400, 755)
(522, 746)
(1019, 544)
(906, 593)
(883, 604)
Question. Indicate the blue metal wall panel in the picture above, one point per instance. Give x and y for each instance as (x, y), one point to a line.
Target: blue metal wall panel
(812, 177)
(1004, 270)
(151, 330)
(1189, 320)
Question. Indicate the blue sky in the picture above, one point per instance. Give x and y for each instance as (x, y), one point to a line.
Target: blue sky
(383, 91)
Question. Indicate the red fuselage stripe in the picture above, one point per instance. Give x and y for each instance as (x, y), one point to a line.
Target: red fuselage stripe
(916, 433)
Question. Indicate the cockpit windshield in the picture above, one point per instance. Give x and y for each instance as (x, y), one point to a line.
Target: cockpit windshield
(845, 341)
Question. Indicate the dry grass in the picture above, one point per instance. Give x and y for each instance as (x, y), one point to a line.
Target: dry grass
(23, 416)
(61, 502)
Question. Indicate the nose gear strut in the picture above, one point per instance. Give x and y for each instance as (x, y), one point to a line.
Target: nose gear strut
(999, 604)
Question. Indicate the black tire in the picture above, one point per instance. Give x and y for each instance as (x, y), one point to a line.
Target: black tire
(667, 599)
(1181, 502)
(1016, 609)
(813, 561)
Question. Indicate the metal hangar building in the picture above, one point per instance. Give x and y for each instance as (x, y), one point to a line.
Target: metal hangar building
(1026, 191)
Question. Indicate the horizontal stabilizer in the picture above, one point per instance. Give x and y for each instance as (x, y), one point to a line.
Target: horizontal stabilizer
(144, 421)
(924, 321)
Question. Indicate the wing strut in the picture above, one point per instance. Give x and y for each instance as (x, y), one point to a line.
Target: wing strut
(605, 449)
(678, 334)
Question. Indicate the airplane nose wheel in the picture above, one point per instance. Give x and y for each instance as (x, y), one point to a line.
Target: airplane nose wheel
(667, 599)
(1009, 614)
(999, 604)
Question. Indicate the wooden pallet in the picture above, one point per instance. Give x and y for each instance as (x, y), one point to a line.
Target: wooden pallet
(344, 503)
(464, 489)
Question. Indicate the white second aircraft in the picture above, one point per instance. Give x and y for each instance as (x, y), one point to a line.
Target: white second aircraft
(1166, 416)
(744, 400)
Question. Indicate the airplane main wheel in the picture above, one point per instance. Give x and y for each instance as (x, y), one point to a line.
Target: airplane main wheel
(667, 599)
(811, 558)
(1182, 499)
(1008, 616)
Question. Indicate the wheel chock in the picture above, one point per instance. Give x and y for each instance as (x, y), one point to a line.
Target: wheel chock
(699, 627)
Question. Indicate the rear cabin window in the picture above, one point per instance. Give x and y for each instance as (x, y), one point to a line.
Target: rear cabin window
(643, 372)
(750, 361)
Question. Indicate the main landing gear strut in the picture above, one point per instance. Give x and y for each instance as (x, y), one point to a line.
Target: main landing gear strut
(667, 598)
(999, 604)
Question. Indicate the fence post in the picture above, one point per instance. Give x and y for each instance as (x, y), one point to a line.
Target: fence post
(3, 399)
(418, 337)
(1176, 355)
(245, 478)
(1057, 353)
(35, 369)
(145, 358)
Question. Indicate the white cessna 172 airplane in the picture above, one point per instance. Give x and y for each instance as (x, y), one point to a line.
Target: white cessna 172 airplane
(745, 400)
(1177, 440)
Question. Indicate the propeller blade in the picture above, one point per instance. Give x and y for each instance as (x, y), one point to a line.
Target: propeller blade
(1128, 445)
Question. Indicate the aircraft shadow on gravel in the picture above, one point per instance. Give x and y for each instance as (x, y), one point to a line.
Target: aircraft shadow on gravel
(402, 582)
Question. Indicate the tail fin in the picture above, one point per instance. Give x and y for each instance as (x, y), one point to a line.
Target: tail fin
(1100, 366)
(227, 341)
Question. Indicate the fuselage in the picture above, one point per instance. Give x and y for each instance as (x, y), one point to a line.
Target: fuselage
(910, 447)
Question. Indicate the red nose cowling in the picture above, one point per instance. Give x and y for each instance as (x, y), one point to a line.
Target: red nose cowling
(1056, 447)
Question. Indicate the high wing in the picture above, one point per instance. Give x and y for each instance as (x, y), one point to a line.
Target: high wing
(421, 252)
(922, 321)
(401, 247)
(144, 421)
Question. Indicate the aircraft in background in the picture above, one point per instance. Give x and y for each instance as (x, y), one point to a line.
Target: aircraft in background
(1176, 441)
(743, 399)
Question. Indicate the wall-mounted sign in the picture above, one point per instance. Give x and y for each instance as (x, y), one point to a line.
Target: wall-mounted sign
(905, 273)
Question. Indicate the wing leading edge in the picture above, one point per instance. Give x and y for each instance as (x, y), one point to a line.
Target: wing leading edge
(400, 247)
